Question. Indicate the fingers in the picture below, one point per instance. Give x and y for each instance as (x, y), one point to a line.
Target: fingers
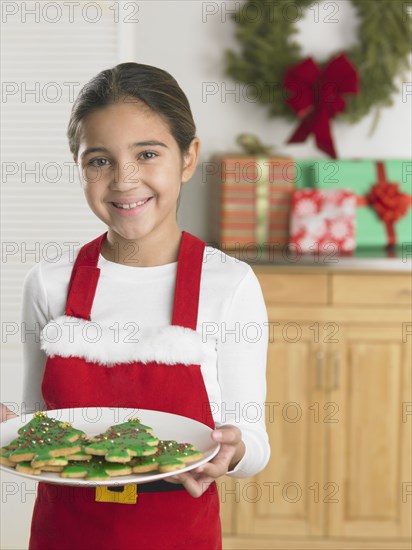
(195, 487)
(198, 480)
(215, 468)
(6, 413)
(227, 435)
(173, 479)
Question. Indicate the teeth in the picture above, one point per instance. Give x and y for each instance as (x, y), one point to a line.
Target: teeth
(131, 205)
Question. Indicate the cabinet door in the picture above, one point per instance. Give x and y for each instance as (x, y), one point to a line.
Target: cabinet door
(286, 499)
(370, 446)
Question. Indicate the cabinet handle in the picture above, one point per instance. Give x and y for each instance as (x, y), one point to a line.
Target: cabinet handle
(319, 369)
(405, 292)
(336, 370)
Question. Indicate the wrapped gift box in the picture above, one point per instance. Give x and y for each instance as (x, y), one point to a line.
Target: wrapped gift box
(250, 199)
(323, 221)
(360, 176)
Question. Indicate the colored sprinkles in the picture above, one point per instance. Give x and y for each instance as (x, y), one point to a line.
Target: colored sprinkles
(47, 444)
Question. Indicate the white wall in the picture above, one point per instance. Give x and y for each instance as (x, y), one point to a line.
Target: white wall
(187, 39)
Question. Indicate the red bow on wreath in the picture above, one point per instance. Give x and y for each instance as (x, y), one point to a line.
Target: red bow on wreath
(318, 97)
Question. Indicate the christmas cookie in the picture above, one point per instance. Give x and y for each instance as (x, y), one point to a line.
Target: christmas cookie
(144, 464)
(26, 468)
(44, 441)
(86, 469)
(120, 443)
(40, 462)
(169, 456)
(118, 469)
(95, 469)
(135, 424)
(51, 468)
(40, 424)
(4, 456)
(80, 455)
(46, 444)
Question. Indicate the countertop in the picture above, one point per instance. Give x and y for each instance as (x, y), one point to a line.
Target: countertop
(362, 259)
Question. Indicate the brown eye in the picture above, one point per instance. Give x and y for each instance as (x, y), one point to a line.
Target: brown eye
(95, 162)
(148, 155)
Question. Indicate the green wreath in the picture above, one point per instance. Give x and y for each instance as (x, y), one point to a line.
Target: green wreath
(265, 28)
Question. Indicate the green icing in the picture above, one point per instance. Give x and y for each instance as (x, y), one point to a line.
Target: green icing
(39, 461)
(42, 424)
(132, 423)
(24, 466)
(169, 453)
(127, 446)
(94, 469)
(80, 455)
(91, 469)
(5, 451)
(144, 460)
(42, 436)
(117, 467)
(120, 444)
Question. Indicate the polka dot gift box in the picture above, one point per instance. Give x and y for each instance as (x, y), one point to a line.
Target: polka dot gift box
(323, 220)
(383, 188)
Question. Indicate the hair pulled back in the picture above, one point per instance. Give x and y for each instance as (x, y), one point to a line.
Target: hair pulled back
(128, 82)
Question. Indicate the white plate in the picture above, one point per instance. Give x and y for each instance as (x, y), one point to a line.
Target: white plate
(94, 420)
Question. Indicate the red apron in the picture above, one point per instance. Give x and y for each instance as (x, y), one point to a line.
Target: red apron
(68, 517)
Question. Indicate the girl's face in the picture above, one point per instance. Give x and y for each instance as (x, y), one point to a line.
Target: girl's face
(128, 156)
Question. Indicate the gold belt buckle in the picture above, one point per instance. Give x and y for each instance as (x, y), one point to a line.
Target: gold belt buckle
(118, 494)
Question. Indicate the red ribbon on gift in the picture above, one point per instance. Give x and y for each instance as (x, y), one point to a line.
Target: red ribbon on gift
(318, 97)
(389, 203)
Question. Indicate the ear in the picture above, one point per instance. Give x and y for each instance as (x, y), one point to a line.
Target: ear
(190, 160)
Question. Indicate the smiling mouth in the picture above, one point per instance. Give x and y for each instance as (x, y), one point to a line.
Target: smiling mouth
(131, 205)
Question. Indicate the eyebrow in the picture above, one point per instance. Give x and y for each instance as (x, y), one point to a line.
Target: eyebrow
(149, 143)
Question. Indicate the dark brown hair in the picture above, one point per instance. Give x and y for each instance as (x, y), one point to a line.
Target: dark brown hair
(134, 81)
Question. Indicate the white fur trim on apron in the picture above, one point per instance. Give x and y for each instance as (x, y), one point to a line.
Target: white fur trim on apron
(69, 336)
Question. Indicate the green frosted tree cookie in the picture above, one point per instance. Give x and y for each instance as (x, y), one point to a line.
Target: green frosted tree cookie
(96, 469)
(43, 440)
(91, 469)
(133, 423)
(41, 424)
(169, 456)
(120, 444)
(27, 468)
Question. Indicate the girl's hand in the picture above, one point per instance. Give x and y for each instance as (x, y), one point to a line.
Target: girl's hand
(6, 413)
(232, 450)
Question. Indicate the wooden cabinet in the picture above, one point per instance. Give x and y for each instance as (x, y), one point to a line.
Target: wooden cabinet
(370, 447)
(338, 414)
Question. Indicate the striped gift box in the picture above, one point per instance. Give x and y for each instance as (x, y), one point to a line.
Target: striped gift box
(250, 199)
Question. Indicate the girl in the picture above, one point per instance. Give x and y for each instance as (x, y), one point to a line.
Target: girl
(132, 136)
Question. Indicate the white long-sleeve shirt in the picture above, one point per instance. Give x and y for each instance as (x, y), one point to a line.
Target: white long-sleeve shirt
(232, 319)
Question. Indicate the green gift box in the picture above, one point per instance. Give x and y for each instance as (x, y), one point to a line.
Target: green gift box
(361, 176)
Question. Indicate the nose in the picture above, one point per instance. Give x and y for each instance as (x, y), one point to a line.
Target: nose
(126, 175)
